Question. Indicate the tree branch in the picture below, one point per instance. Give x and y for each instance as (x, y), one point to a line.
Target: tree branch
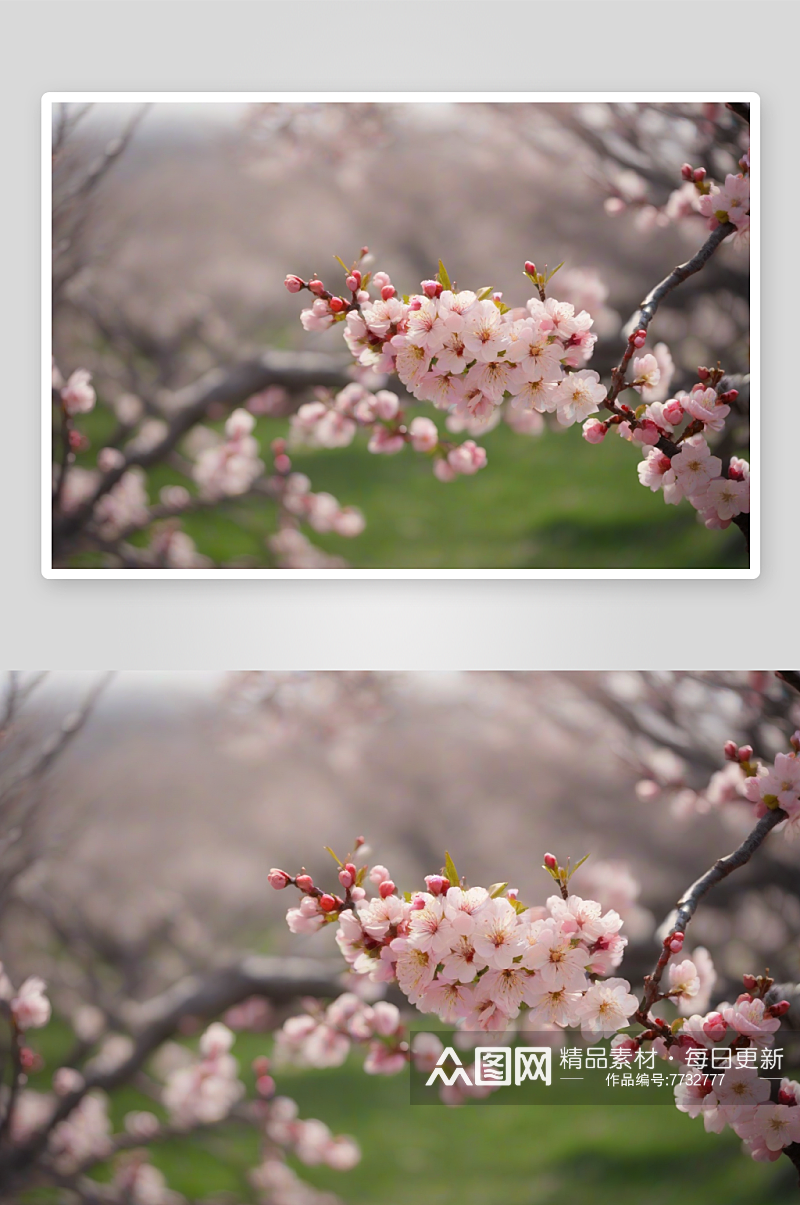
(281, 979)
(229, 387)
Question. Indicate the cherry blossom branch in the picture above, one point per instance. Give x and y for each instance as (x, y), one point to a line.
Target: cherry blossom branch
(209, 995)
(228, 387)
(688, 903)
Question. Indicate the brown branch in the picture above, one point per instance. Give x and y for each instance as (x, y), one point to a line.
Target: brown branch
(686, 907)
(206, 996)
(229, 387)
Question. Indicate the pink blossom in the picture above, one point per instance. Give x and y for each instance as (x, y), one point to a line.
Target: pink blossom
(703, 404)
(747, 1018)
(594, 432)
(424, 435)
(694, 466)
(30, 1007)
(578, 396)
(773, 1126)
(484, 332)
(467, 458)
(606, 1007)
(78, 395)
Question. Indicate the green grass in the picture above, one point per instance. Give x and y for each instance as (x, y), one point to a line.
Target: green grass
(550, 502)
(474, 1155)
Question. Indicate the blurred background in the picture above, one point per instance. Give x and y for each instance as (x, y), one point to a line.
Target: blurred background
(142, 812)
(175, 224)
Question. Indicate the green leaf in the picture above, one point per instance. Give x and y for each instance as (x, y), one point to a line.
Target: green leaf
(338, 861)
(550, 275)
(497, 889)
(361, 874)
(450, 870)
(365, 280)
(577, 864)
(339, 260)
(407, 896)
(485, 292)
(443, 277)
(518, 906)
(502, 307)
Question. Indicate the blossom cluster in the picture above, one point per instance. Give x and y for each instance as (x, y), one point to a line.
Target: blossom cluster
(207, 1089)
(692, 472)
(738, 1038)
(744, 779)
(697, 195)
(472, 356)
(777, 786)
(466, 351)
(332, 421)
(472, 955)
(230, 467)
(323, 1038)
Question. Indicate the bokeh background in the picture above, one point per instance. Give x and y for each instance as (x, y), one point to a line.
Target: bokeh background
(172, 264)
(138, 854)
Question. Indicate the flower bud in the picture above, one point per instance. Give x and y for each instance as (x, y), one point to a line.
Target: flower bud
(715, 1027)
(551, 862)
(317, 287)
(780, 1009)
(282, 464)
(354, 281)
(745, 752)
(731, 751)
(594, 432)
(794, 741)
(305, 882)
(388, 292)
(639, 337)
(786, 1097)
(673, 411)
(278, 879)
(530, 267)
(364, 251)
(687, 172)
(265, 1086)
(294, 283)
(350, 866)
(750, 982)
(674, 941)
(698, 175)
(337, 304)
(386, 889)
(327, 902)
(431, 288)
(345, 878)
(358, 893)
(437, 884)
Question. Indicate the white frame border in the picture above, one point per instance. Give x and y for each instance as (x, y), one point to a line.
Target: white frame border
(51, 98)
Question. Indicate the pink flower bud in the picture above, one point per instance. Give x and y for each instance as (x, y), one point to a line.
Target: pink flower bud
(294, 283)
(386, 889)
(594, 432)
(278, 879)
(673, 411)
(729, 396)
(614, 205)
(639, 338)
(497, 296)
(388, 292)
(715, 1027)
(265, 1086)
(415, 304)
(350, 866)
(337, 304)
(305, 882)
(703, 374)
(530, 267)
(431, 288)
(354, 281)
(794, 741)
(780, 1009)
(674, 941)
(676, 946)
(418, 903)
(345, 878)
(551, 861)
(745, 752)
(699, 174)
(380, 279)
(786, 1097)
(731, 751)
(750, 982)
(327, 902)
(364, 251)
(437, 884)
(316, 287)
(282, 464)
(687, 171)
(358, 893)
